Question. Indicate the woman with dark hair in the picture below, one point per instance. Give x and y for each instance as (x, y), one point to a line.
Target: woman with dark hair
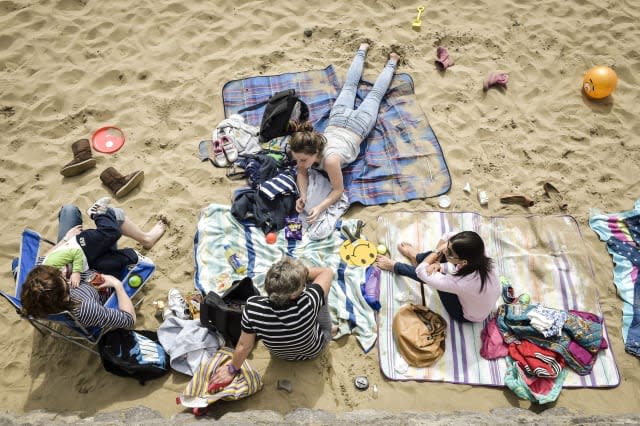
(469, 293)
(60, 283)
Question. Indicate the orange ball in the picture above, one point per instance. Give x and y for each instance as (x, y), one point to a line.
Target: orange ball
(271, 238)
(599, 82)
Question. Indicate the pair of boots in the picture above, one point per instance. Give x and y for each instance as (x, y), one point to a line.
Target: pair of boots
(119, 184)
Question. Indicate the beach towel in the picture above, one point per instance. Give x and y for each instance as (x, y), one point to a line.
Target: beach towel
(401, 159)
(216, 226)
(621, 233)
(543, 256)
(196, 394)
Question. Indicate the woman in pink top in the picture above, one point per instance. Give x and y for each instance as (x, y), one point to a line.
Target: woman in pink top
(469, 293)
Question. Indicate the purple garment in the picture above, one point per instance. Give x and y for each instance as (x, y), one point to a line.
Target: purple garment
(493, 345)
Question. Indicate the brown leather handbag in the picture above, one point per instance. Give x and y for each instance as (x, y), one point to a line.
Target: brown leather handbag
(420, 334)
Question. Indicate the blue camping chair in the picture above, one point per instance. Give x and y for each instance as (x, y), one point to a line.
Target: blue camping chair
(69, 328)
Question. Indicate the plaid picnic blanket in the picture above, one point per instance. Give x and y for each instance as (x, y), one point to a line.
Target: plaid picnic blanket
(621, 233)
(216, 226)
(401, 159)
(543, 256)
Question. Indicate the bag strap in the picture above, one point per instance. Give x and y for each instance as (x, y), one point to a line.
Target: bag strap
(275, 96)
(252, 107)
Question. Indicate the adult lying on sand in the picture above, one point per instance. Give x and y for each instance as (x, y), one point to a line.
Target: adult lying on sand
(347, 128)
(293, 321)
(51, 287)
(471, 291)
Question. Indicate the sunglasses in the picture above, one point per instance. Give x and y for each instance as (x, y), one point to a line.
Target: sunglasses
(449, 253)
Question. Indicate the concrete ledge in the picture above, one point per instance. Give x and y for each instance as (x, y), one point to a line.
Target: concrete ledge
(146, 416)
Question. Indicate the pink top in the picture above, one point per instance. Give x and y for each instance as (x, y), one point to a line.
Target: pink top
(476, 305)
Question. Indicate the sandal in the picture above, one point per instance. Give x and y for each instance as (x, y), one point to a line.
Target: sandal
(555, 195)
(521, 200)
(443, 60)
(229, 148)
(234, 173)
(495, 79)
(219, 159)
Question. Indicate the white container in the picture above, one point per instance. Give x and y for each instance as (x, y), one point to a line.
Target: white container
(483, 198)
(444, 201)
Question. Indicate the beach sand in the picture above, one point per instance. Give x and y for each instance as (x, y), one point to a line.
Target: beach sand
(156, 70)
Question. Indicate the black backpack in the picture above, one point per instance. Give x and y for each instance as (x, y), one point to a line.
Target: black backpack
(281, 108)
(224, 313)
(136, 354)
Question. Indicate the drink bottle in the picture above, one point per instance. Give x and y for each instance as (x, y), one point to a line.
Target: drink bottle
(234, 260)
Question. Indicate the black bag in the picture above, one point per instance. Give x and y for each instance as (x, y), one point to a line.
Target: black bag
(224, 313)
(281, 108)
(136, 354)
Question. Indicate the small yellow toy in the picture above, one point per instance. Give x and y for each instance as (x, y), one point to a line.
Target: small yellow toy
(358, 253)
(417, 23)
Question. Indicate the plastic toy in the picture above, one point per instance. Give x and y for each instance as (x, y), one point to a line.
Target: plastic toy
(271, 238)
(417, 23)
(599, 82)
(108, 139)
(135, 281)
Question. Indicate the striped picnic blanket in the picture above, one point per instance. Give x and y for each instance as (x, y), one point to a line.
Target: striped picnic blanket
(216, 226)
(543, 256)
(400, 160)
(614, 227)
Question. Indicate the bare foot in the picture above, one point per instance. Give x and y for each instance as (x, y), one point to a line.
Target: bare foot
(364, 46)
(385, 263)
(393, 56)
(152, 237)
(408, 251)
(334, 330)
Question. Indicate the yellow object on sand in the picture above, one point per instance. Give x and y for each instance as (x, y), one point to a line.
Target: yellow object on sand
(599, 82)
(417, 23)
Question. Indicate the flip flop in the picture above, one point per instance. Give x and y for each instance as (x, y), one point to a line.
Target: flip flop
(219, 159)
(229, 148)
(444, 61)
(495, 79)
(521, 200)
(555, 195)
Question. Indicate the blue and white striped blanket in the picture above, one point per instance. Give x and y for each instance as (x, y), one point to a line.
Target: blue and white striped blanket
(216, 226)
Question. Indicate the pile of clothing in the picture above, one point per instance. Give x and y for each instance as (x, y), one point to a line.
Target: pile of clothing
(538, 343)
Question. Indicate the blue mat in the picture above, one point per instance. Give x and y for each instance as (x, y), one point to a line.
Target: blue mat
(401, 159)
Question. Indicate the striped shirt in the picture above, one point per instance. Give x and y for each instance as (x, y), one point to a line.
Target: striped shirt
(290, 332)
(91, 312)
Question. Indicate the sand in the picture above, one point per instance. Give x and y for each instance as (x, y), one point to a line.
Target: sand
(156, 70)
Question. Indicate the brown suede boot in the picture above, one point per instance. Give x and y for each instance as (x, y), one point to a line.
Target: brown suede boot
(82, 159)
(119, 184)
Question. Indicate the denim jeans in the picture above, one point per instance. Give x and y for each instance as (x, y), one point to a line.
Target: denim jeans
(450, 301)
(99, 245)
(362, 119)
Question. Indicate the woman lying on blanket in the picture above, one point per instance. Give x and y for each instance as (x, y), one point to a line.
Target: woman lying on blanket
(340, 143)
(54, 287)
(471, 291)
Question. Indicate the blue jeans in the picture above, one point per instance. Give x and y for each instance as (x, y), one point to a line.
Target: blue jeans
(450, 301)
(99, 245)
(362, 119)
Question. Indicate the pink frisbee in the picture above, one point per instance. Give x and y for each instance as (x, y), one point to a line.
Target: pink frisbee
(108, 139)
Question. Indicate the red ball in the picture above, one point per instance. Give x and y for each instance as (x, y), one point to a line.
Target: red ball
(271, 237)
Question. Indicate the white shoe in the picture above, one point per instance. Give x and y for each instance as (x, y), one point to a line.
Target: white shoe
(99, 207)
(177, 304)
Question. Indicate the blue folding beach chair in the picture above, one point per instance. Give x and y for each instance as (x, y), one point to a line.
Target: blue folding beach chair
(64, 324)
